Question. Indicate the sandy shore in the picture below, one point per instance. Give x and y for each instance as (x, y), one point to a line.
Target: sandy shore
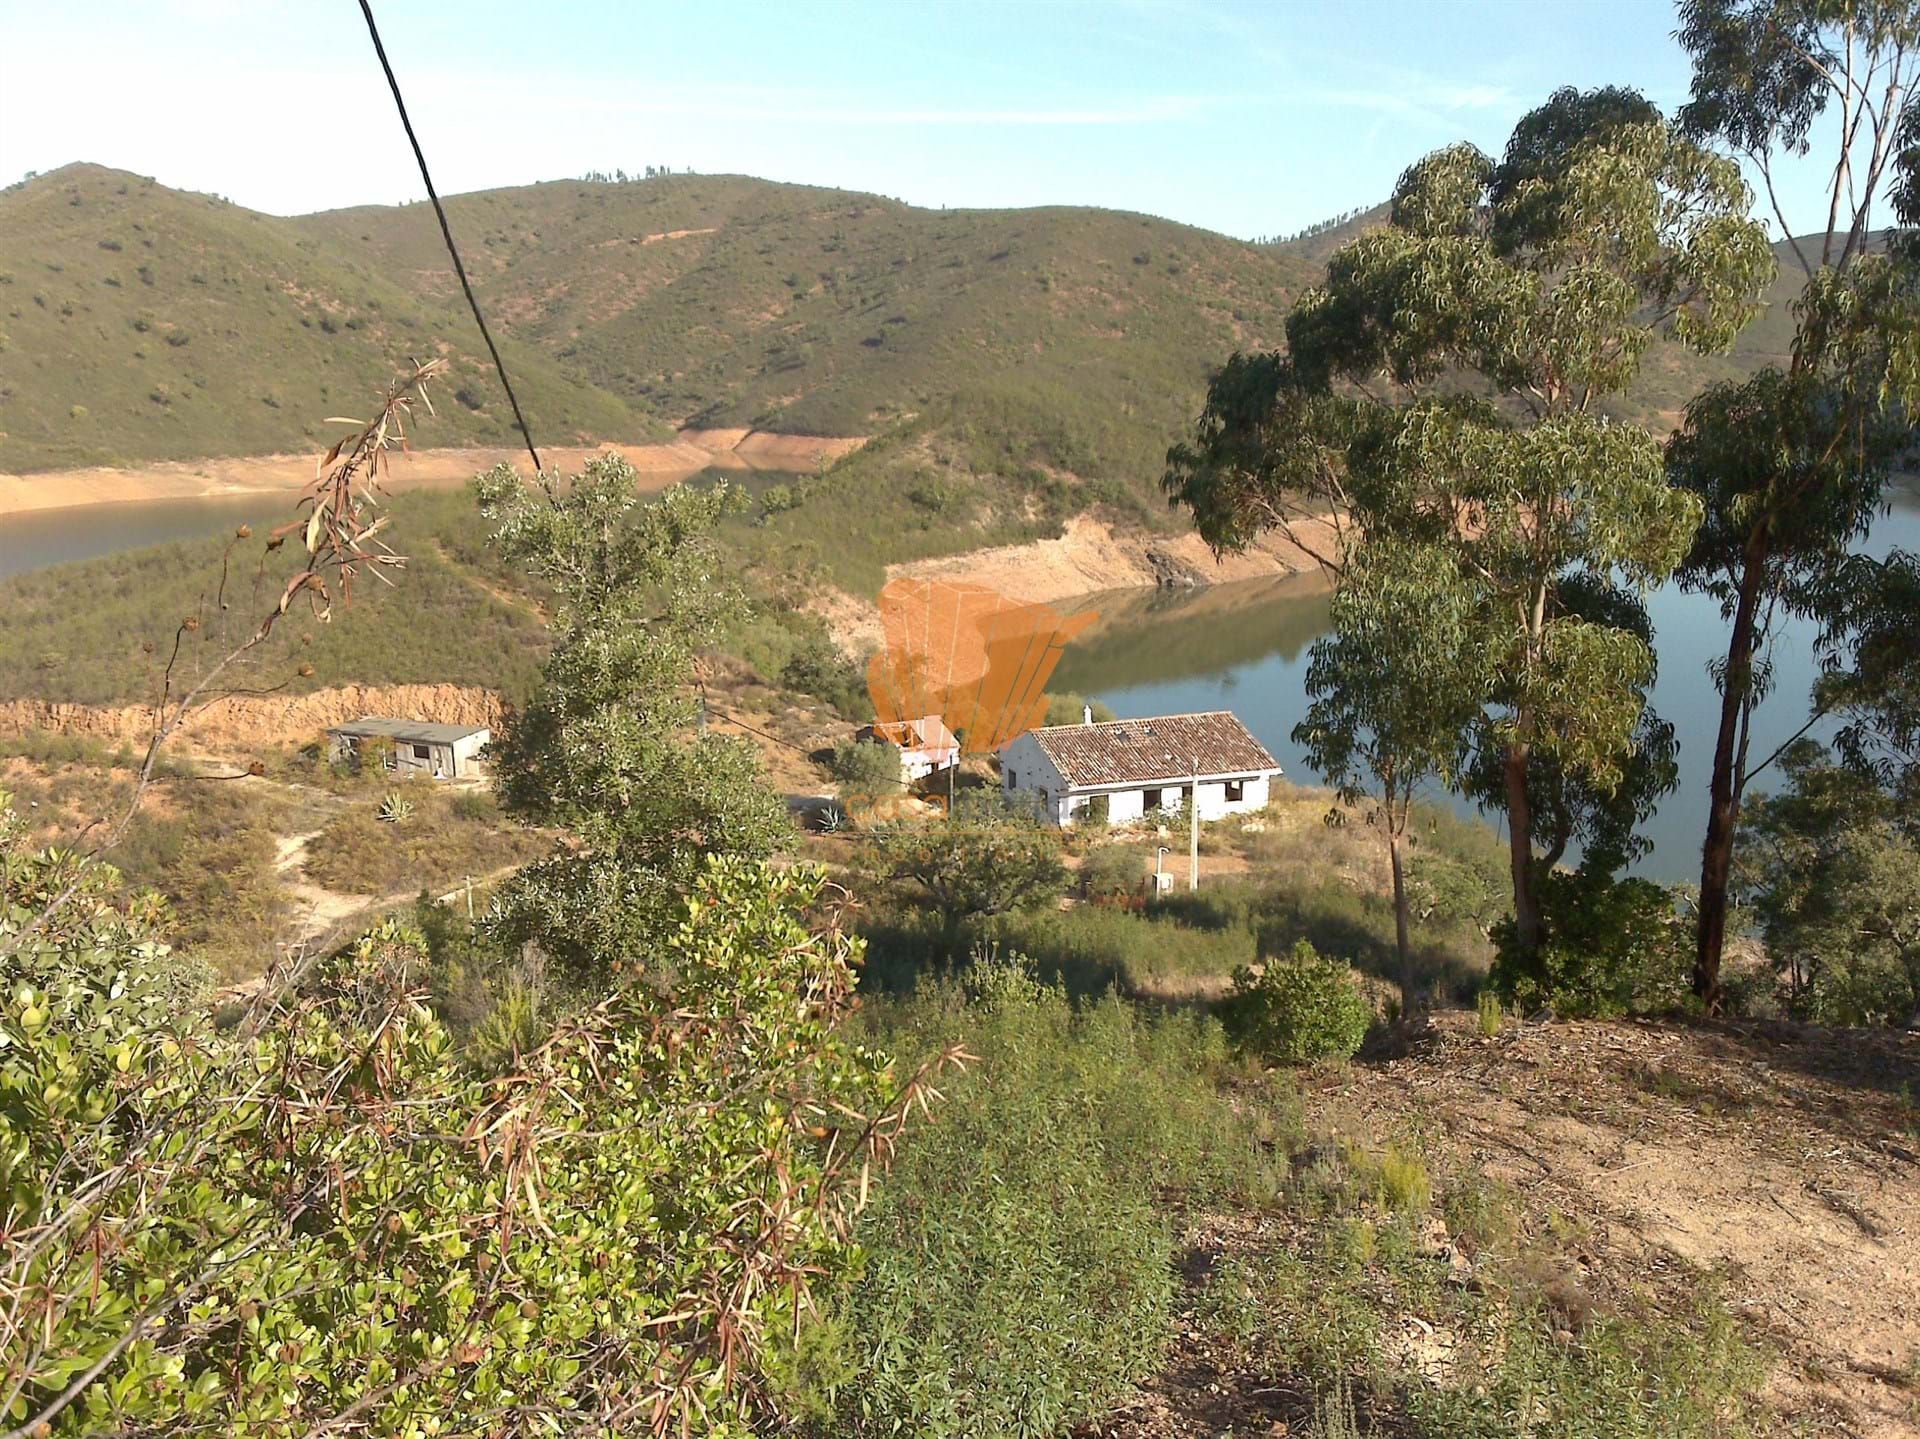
(661, 465)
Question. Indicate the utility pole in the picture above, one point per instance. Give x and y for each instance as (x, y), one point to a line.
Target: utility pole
(1193, 830)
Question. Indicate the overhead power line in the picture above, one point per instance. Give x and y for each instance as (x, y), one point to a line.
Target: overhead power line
(446, 232)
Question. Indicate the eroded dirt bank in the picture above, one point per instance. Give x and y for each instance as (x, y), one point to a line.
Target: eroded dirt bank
(660, 465)
(241, 722)
(1091, 556)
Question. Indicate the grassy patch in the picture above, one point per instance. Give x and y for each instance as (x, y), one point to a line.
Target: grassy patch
(1363, 1300)
(447, 836)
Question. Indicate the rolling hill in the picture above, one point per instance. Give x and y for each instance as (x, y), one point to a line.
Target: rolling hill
(138, 322)
(143, 323)
(1014, 365)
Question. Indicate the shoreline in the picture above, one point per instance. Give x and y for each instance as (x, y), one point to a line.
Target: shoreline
(659, 464)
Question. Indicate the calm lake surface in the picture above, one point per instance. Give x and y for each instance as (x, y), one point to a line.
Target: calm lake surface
(1244, 647)
(39, 538)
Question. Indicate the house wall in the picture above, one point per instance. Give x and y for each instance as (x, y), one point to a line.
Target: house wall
(466, 753)
(1025, 769)
(1024, 766)
(1125, 806)
(442, 760)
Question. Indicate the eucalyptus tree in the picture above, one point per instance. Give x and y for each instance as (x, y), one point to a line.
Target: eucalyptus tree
(1791, 464)
(1874, 622)
(1397, 683)
(1444, 389)
(609, 748)
(1569, 809)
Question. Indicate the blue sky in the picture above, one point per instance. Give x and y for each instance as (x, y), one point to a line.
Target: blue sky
(1253, 119)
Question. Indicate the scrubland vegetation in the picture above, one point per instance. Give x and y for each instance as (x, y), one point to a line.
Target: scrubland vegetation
(443, 838)
(943, 1126)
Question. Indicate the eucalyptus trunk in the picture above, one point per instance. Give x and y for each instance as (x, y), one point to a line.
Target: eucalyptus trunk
(1725, 788)
(1526, 905)
(1400, 927)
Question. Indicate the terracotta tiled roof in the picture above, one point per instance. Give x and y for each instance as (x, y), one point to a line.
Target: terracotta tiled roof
(1164, 747)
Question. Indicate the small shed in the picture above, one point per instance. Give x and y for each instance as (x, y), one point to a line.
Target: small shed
(1126, 770)
(415, 747)
(926, 745)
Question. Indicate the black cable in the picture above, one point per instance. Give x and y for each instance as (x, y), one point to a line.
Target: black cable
(446, 232)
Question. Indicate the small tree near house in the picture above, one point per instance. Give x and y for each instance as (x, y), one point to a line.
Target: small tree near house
(990, 857)
(1396, 685)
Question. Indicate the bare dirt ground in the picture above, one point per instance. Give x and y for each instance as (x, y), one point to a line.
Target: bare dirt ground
(1783, 1159)
(1091, 556)
(660, 465)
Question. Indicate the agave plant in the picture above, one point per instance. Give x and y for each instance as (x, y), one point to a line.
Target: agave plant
(394, 808)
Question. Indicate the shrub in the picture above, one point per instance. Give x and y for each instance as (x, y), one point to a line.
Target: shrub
(1071, 708)
(1490, 1013)
(866, 767)
(818, 668)
(1113, 871)
(1020, 1256)
(1299, 1009)
(1611, 947)
(423, 1241)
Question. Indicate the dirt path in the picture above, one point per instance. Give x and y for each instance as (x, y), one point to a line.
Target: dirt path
(317, 910)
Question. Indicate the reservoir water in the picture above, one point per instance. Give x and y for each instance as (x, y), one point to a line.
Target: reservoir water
(35, 539)
(1244, 647)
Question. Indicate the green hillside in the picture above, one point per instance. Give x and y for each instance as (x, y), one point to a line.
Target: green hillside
(1017, 365)
(143, 323)
(727, 301)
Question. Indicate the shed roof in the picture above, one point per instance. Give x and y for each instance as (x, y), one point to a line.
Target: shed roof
(417, 731)
(928, 732)
(1162, 747)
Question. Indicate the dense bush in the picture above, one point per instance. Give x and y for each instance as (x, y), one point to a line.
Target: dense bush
(326, 1212)
(1019, 1259)
(989, 857)
(1612, 947)
(1830, 869)
(817, 668)
(1298, 1009)
(866, 767)
(1113, 872)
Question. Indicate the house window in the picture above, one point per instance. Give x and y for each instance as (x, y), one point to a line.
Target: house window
(1152, 799)
(1236, 791)
(421, 751)
(1013, 780)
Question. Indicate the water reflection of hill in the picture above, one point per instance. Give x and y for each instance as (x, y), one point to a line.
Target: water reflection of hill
(1154, 636)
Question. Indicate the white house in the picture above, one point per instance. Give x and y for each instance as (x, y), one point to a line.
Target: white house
(926, 745)
(445, 751)
(1125, 769)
